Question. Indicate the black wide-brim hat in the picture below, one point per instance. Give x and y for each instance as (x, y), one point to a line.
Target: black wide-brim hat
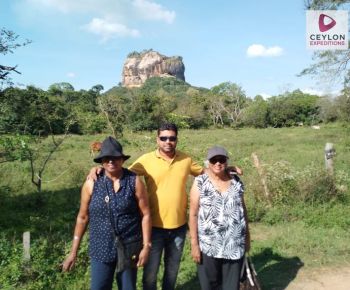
(111, 148)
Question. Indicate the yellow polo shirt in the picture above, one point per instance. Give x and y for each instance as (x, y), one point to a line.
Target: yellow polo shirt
(166, 186)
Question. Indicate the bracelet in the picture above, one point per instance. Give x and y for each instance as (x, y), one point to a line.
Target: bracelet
(75, 238)
(147, 245)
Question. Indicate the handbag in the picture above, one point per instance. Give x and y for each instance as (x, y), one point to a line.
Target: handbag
(249, 277)
(132, 251)
(128, 253)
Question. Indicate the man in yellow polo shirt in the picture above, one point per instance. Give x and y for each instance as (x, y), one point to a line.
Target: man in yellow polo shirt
(166, 171)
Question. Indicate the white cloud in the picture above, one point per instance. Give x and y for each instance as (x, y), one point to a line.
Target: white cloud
(312, 92)
(116, 9)
(71, 75)
(265, 96)
(110, 18)
(320, 93)
(153, 11)
(258, 50)
(108, 30)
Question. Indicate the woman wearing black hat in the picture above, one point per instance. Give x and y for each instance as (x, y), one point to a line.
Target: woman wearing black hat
(218, 224)
(116, 207)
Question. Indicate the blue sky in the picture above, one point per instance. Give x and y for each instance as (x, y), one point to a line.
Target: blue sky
(260, 45)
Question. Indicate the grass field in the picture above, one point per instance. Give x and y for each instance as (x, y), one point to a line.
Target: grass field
(305, 224)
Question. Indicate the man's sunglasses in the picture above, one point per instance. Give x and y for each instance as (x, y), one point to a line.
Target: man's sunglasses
(170, 138)
(220, 159)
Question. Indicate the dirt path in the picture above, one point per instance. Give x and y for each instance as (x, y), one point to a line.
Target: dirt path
(322, 279)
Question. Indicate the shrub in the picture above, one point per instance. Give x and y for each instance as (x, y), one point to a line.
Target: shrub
(92, 123)
(293, 194)
(182, 122)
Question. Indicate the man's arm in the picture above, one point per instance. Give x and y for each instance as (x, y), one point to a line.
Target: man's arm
(196, 169)
(137, 167)
(94, 172)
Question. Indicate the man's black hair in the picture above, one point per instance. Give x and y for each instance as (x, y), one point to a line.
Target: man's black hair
(167, 126)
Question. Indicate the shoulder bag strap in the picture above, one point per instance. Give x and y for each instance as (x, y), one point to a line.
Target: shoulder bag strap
(117, 240)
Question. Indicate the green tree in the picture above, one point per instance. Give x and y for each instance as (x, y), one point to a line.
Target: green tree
(63, 90)
(192, 107)
(255, 114)
(306, 109)
(342, 103)
(81, 104)
(292, 108)
(327, 110)
(214, 105)
(84, 104)
(147, 112)
(12, 148)
(31, 111)
(231, 99)
(61, 87)
(39, 150)
(97, 89)
(115, 110)
(8, 43)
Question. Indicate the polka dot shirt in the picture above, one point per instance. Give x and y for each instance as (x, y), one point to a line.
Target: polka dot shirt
(123, 215)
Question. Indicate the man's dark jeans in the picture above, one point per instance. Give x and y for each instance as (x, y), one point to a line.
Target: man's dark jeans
(172, 242)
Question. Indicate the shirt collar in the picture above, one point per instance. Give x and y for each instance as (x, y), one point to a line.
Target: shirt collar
(160, 156)
(121, 180)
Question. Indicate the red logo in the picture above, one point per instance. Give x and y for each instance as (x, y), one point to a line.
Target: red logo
(324, 27)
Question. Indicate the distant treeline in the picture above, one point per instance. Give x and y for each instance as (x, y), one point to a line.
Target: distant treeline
(39, 112)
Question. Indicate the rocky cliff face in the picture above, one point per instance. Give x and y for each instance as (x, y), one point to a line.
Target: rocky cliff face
(139, 67)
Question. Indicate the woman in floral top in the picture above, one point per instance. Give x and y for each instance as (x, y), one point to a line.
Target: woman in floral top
(218, 224)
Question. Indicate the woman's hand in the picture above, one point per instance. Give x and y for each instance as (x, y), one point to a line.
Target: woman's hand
(94, 172)
(196, 253)
(69, 262)
(238, 170)
(233, 170)
(143, 257)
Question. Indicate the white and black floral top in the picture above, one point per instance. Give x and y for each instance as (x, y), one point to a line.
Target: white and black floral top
(221, 222)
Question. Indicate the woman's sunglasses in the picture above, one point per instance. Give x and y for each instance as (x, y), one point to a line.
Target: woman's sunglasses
(111, 158)
(220, 159)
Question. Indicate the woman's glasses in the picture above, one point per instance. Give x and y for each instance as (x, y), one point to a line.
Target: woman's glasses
(220, 159)
(111, 158)
(170, 138)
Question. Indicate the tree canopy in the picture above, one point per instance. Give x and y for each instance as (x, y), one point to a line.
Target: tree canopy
(39, 112)
(8, 43)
